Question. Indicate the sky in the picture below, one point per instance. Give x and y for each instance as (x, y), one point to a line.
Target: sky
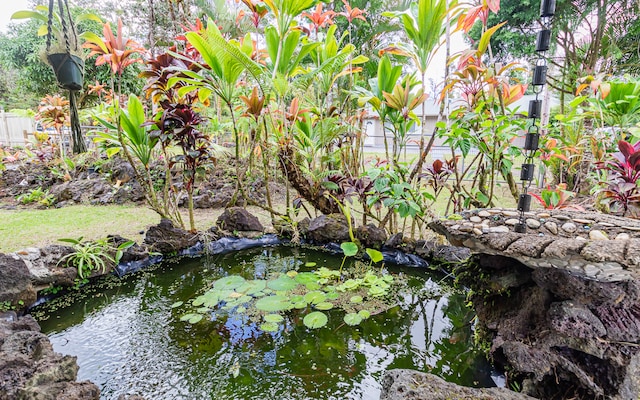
(7, 8)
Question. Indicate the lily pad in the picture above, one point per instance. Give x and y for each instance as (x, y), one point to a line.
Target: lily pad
(333, 295)
(191, 318)
(310, 264)
(350, 249)
(312, 286)
(274, 303)
(364, 314)
(306, 277)
(325, 305)
(315, 297)
(229, 282)
(177, 304)
(269, 327)
(352, 319)
(315, 320)
(300, 305)
(283, 283)
(273, 318)
(356, 299)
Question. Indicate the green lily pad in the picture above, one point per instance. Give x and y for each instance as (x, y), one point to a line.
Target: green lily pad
(350, 249)
(315, 297)
(283, 283)
(177, 304)
(269, 327)
(191, 318)
(325, 305)
(377, 291)
(274, 303)
(312, 286)
(333, 295)
(273, 318)
(315, 320)
(356, 299)
(352, 319)
(306, 277)
(364, 314)
(310, 264)
(203, 310)
(229, 282)
(300, 305)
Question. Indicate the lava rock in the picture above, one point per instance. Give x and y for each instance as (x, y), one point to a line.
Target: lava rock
(371, 236)
(328, 228)
(238, 219)
(404, 384)
(165, 238)
(574, 319)
(15, 282)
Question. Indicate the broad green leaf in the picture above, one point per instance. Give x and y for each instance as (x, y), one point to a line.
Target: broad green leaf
(375, 255)
(352, 319)
(177, 304)
(273, 318)
(350, 249)
(315, 320)
(356, 299)
(229, 282)
(315, 297)
(269, 327)
(325, 305)
(283, 283)
(274, 303)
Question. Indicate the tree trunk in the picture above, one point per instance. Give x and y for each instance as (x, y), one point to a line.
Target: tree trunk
(302, 185)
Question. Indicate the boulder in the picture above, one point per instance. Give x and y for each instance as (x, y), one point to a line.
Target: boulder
(328, 228)
(371, 236)
(404, 384)
(81, 191)
(44, 267)
(238, 219)
(15, 282)
(30, 369)
(165, 238)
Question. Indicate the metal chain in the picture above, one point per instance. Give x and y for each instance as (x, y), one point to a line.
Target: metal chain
(532, 138)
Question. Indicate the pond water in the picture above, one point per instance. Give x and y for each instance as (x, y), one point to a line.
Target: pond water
(129, 339)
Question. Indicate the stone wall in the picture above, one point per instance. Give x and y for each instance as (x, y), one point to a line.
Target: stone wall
(559, 306)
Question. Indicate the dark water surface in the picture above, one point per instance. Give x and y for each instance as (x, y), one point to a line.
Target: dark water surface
(129, 340)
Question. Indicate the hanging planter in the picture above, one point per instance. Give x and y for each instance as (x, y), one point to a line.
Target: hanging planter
(69, 70)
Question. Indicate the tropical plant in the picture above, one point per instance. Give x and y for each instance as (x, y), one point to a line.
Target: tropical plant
(37, 195)
(620, 191)
(557, 198)
(90, 256)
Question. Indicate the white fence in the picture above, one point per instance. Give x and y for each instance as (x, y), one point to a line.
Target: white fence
(14, 129)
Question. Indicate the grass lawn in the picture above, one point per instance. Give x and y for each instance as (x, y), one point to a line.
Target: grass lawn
(36, 228)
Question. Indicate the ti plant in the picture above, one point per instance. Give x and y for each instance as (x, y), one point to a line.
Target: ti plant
(620, 193)
(558, 198)
(177, 124)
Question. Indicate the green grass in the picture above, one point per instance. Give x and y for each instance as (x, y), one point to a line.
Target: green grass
(23, 228)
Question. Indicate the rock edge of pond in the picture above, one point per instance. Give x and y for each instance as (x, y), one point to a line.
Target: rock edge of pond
(30, 369)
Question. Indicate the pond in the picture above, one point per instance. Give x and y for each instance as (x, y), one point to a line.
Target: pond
(130, 336)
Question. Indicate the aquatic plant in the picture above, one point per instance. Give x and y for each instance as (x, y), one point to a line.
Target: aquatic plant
(267, 302)
(89, 256)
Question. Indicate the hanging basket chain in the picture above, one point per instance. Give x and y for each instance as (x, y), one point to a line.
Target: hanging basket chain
(49, 25)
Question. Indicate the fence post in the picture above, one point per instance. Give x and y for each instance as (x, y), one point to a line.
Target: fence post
(5, 126)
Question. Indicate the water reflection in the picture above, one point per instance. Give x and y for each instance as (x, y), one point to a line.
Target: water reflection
(130, 341)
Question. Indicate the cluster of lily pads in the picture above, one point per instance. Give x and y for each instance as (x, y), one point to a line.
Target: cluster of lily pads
(266, 302)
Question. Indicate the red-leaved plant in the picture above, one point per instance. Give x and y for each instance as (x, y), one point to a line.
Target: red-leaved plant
(621, 192)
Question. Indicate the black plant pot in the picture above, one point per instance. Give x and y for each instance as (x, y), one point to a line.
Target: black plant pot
(69, 70)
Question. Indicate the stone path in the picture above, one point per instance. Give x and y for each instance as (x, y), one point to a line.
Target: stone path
(598, 246)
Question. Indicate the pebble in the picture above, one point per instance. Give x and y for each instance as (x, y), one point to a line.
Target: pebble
(484, 214)
(466, 228)
(561, 217)
(455, 227)
(623, 236)
(551, 227)
(632, 228)
(544, 215)
(591, 270)
(510, 213)
(477, 231)
(499, 229)
(606, 224)
(475, 219)
(581, 239)
(583, 221)
(597, 235)
(495, 211)
(512, 221)
(569, 227)
(467, 224)
(533, 223)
